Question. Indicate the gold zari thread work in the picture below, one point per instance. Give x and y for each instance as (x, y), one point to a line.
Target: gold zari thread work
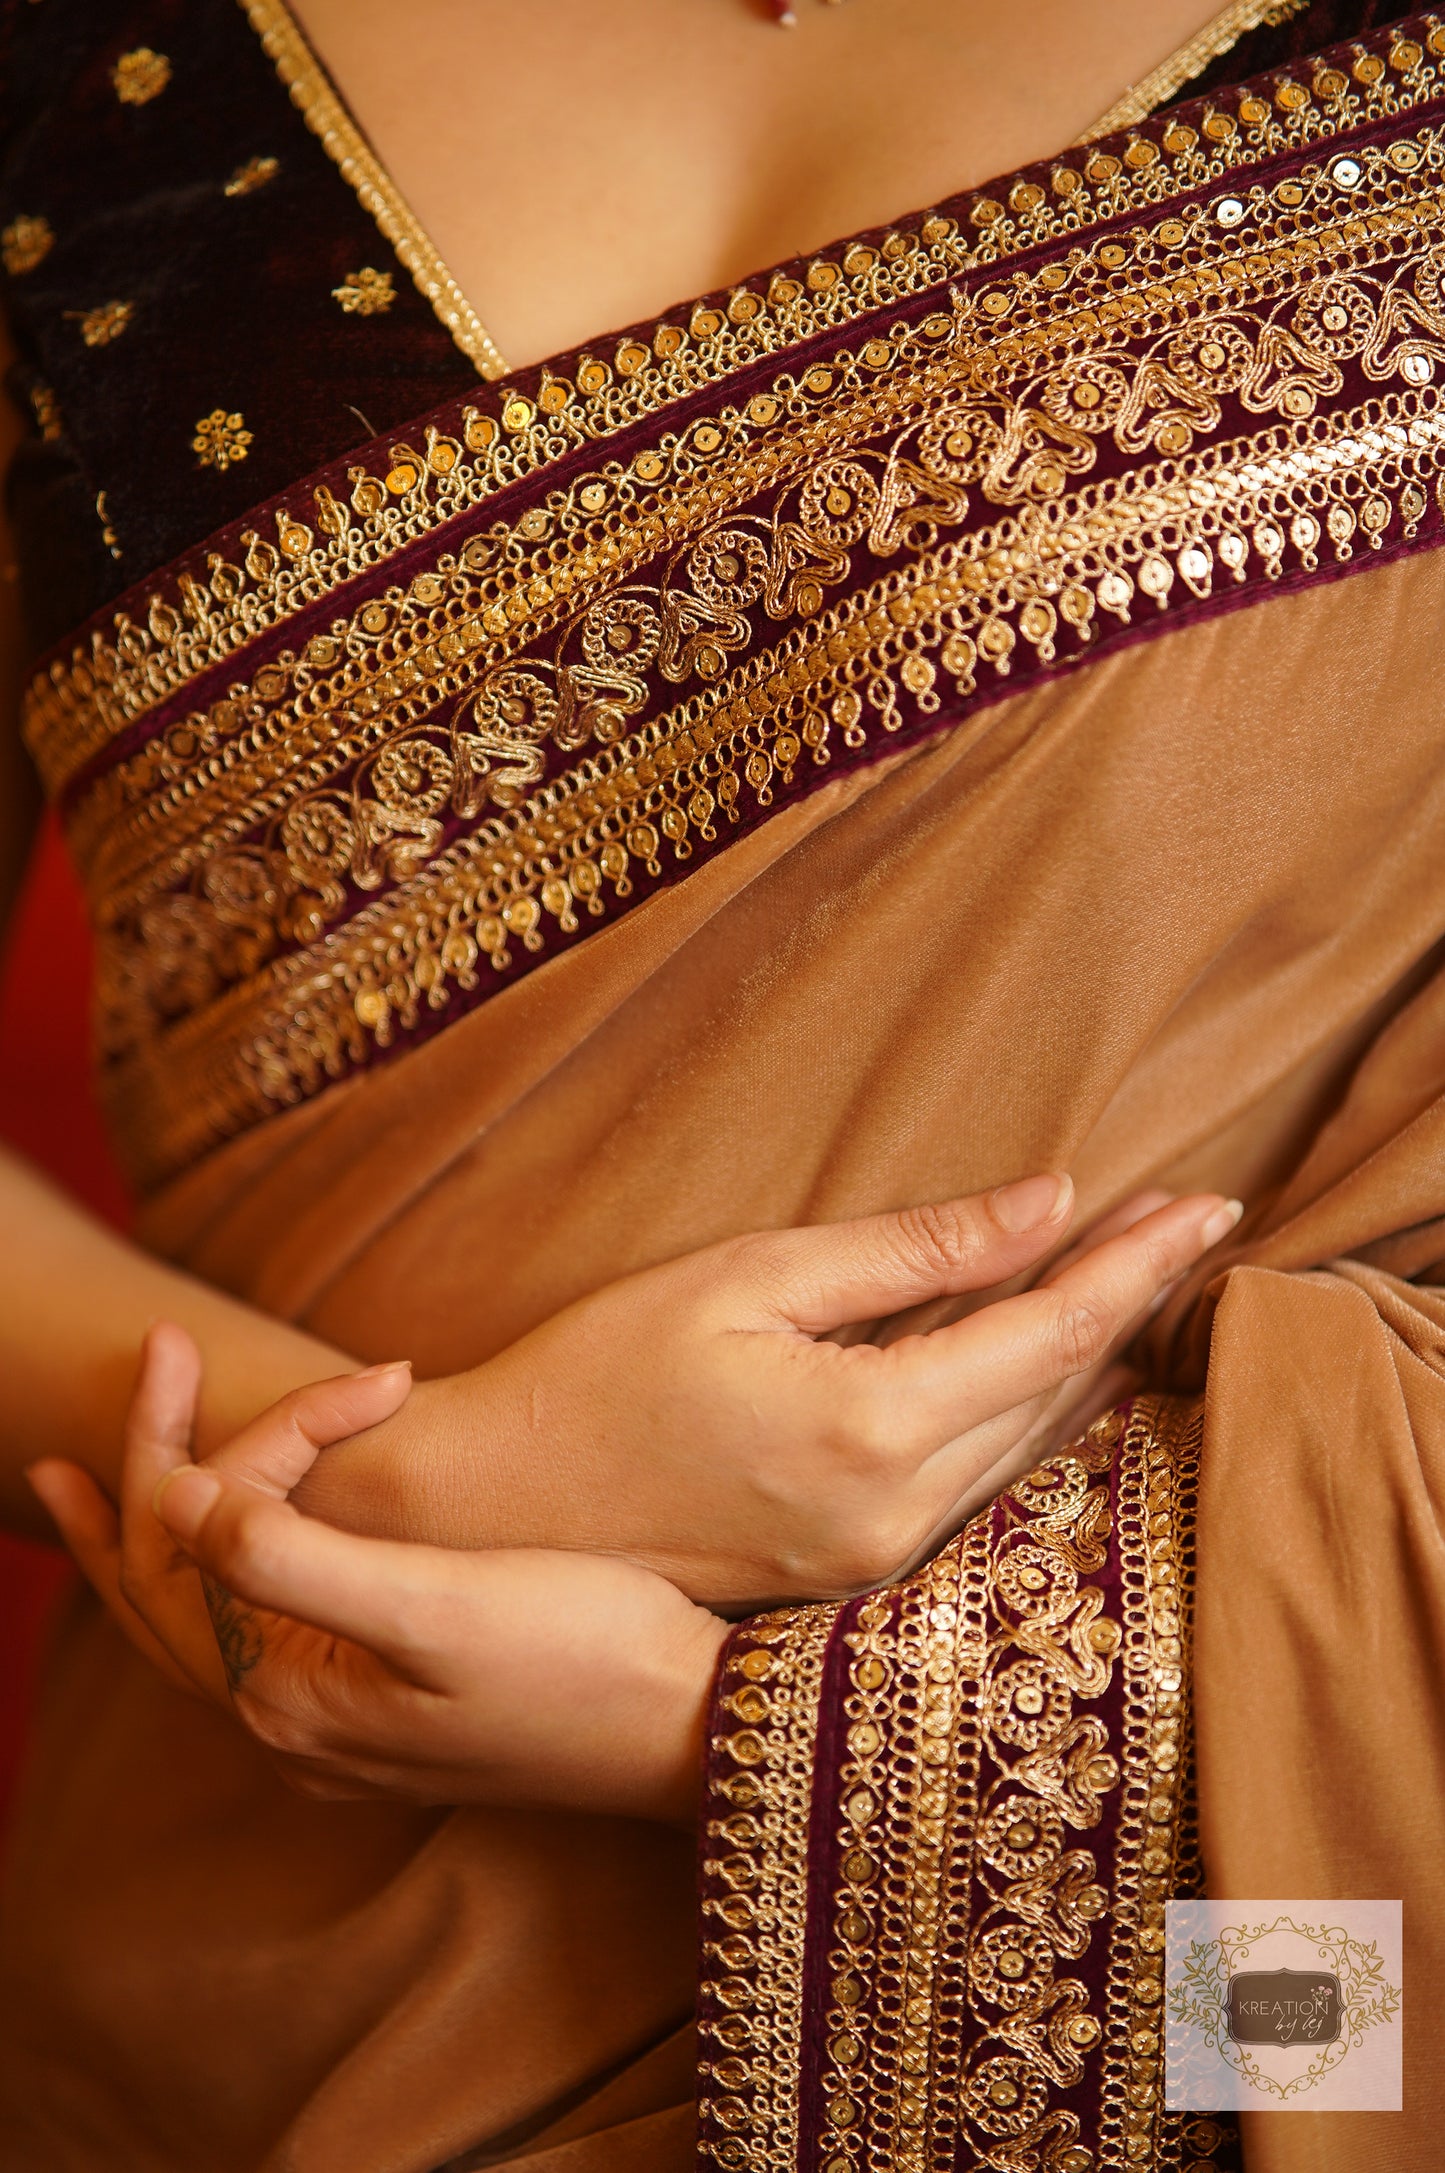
(1010, 1811)
(608, 678)
(289, 50)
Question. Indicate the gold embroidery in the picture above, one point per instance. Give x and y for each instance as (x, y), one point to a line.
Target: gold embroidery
(220, 439)
(24, 243)
(98, 327)
(111, 685)
(365, 293)
(1157, 1850)
(140, 76)
(46, 410)
(975, 1762)
(304, 77)
(753, 1967)
(1192, 58)
(917, 512)
(253, 175)
(108, 535)
(418, 692)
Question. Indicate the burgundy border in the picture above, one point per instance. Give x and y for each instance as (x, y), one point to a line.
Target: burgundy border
(1181, 610)
(489, 397)
(1085, 2099)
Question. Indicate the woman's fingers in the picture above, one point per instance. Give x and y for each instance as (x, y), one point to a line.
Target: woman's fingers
(84, 1516)
(1024, 1347)
(275, 1452)
(1114, 1224)
(838, 1273)
(157, 1579)
(378, 1593)
(87, 1522)
(157, 1440)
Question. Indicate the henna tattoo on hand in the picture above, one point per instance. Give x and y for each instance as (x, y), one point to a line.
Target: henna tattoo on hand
(238, 1631)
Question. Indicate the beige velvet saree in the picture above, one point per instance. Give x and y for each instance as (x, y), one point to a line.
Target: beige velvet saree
(969, 705)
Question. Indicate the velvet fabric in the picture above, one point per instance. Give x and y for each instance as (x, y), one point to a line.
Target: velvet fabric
(232, 294)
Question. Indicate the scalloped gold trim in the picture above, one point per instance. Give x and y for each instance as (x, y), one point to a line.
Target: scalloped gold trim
(1162, 83)
(290, 53)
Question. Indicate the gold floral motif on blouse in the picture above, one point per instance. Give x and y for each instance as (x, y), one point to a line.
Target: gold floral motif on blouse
(367, 293)
(252, 176)
(24, 243)
(140, 76)
(220, 439)
(46, 409)
(98, 327)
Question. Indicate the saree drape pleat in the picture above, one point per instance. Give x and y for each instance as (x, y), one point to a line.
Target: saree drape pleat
(1172, 914)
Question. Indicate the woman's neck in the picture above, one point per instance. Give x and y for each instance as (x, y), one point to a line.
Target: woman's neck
(583, 166)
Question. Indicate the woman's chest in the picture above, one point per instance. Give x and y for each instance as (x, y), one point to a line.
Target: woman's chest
(584, 168)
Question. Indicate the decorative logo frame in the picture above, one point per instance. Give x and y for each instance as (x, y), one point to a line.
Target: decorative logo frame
(1347, 1958)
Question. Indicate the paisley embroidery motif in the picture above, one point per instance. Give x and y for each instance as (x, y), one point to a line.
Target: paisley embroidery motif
(590, 635)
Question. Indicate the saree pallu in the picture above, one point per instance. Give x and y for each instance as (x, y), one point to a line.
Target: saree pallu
(965, 704)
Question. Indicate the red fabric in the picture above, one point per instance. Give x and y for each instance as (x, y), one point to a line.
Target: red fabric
(46, 1110)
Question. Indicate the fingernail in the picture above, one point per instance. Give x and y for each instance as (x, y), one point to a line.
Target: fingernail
(1221, 1222)
(184, 1498)
(388, 1365)
(1031, 1202)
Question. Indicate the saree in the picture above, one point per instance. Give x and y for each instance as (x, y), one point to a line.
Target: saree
(964, 703)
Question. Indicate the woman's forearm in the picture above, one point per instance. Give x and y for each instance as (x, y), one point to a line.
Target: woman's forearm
(75, 1302)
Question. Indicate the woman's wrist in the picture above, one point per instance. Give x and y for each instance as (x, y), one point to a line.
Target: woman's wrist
(684, 1685)
(420, 1475)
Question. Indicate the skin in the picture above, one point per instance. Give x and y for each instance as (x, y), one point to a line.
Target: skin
(527, 1675)
(739, 153)
(585, 166)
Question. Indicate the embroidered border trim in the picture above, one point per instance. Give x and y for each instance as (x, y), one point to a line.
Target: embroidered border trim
(1191, 59)
(756, 1888)
(534, 716)
(955, 1794)
(359, 517)
(289, 51)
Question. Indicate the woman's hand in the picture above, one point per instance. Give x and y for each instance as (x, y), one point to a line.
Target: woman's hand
(699, 1419)
(525, 1678)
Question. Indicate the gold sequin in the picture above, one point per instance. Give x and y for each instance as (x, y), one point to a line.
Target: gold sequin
(964, 1897)
(253, 175)
(98, 327)
(367, 293)
(140, 76)
(25, 242)
(220, 439)
(712, 618)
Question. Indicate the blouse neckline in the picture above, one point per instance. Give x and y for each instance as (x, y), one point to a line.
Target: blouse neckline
(326, 113)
